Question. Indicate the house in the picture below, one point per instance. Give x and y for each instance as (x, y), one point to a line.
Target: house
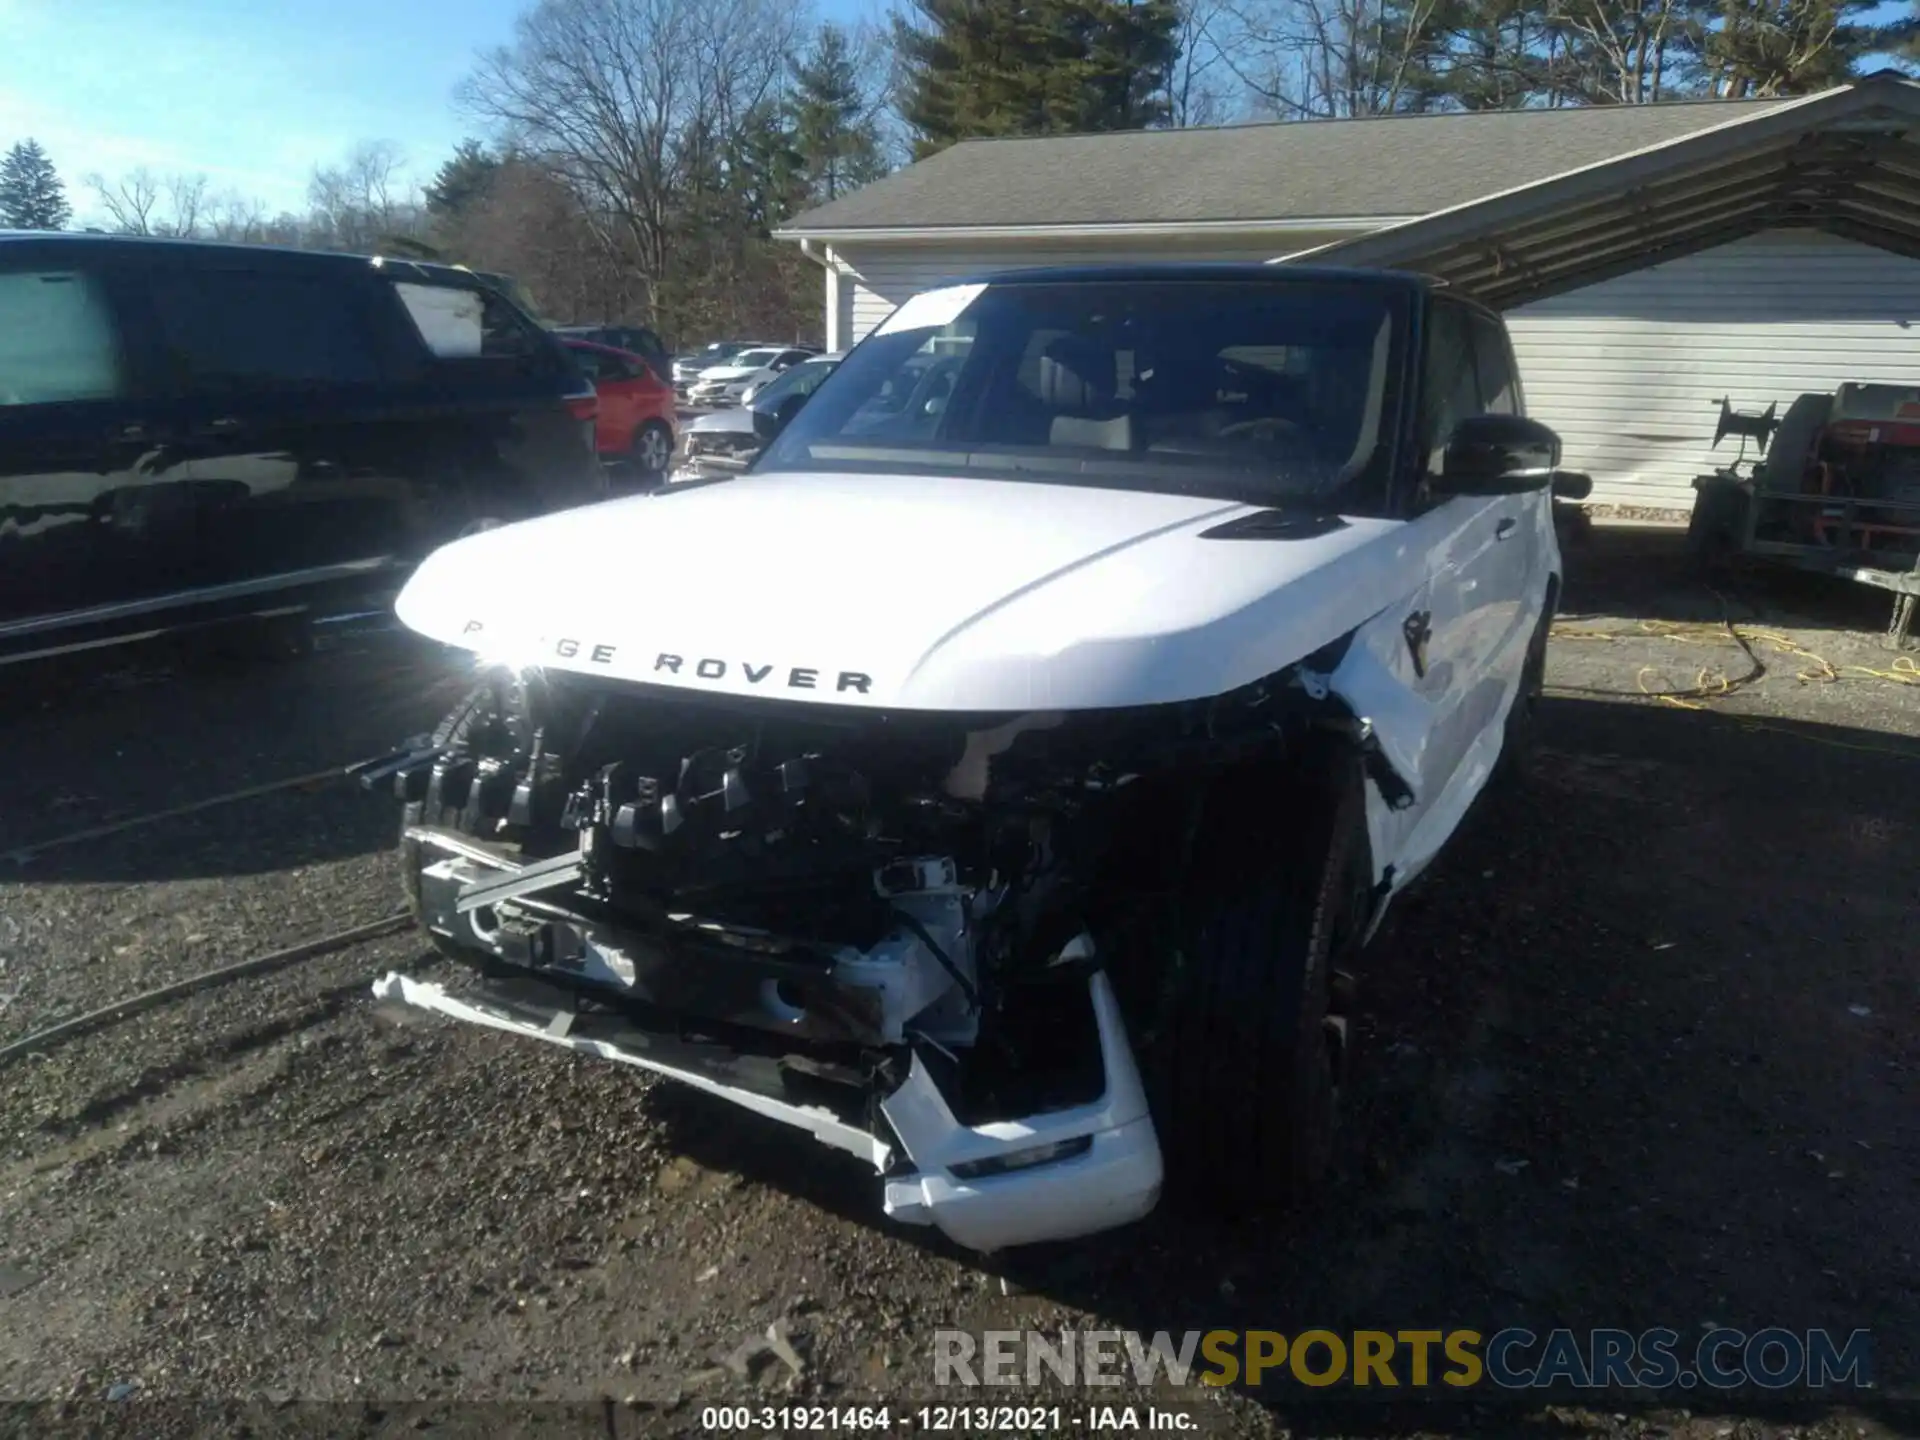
(1650, 259)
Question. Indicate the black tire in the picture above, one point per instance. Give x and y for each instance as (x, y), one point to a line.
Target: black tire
(1523, 718)
(652, 451)
(1246, 1063)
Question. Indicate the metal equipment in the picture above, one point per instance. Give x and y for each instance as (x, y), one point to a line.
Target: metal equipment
(1836, 490)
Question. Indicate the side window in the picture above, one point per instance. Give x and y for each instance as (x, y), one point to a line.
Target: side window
(243, 329)
(1449, 385)
(57, 340)
(1499, 395)
(589, 363)
(458, 323)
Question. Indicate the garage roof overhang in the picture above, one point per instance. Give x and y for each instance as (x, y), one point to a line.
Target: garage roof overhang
(1846, 161)
(1117, 230)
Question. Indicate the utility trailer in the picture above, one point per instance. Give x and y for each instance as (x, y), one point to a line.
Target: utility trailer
(1835, 489)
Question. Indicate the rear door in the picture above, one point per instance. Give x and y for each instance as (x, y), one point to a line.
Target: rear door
(513, 415)
(85, 476)
(277, 394)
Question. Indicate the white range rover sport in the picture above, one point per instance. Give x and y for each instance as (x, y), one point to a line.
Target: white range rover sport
(1000, 777)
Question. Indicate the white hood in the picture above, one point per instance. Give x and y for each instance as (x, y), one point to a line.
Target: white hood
(907, 592)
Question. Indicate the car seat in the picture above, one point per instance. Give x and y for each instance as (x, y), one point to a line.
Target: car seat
(1077, 383)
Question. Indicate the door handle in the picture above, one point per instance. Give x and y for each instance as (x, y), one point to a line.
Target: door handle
(224, 425)
(1418, 630)
(1505, 528)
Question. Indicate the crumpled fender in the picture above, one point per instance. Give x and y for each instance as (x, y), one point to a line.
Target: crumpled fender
(1374, 681)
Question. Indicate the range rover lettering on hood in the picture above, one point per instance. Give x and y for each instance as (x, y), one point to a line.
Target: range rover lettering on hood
(701, 667)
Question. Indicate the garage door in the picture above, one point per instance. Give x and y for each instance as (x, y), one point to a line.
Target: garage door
(1631, 371)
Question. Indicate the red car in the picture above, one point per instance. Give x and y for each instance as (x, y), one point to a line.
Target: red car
(635, 423)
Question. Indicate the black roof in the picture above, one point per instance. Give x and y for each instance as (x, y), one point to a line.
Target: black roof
(55, 240)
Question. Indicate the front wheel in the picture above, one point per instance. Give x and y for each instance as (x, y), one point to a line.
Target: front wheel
(653, 450)
(1250, 1048)
(1523, 716)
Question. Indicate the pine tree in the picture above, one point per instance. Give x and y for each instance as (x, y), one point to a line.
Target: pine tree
(1034, 67)
(1752, 48)
(1122, 53)
(764, 169)
(462, 180)
(31, 195)
(833, 127)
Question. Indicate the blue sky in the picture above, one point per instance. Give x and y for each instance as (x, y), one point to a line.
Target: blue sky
(251, 93)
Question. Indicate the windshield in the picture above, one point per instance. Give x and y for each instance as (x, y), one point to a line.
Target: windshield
(753, 359)
(802, 379)
(1264, 389)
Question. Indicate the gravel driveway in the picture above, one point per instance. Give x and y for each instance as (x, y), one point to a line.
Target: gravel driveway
(1640, 1052)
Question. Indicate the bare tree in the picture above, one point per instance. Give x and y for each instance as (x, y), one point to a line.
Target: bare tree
(129, 201)
(632, 104)
(186, 203)
(236, 218)
(1326, 59)
(142, 203)
(1197, 88)
(365, 200)
(1619, 51)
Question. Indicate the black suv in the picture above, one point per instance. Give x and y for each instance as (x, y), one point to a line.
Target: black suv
(196, 432)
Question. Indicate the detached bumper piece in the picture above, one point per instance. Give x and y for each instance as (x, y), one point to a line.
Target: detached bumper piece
(655, 999)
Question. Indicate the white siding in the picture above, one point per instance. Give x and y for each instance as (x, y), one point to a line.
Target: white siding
(885, 275)
(1631, 371)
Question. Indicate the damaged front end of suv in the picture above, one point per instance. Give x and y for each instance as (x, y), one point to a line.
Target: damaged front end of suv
(898, 931)
(999, 777)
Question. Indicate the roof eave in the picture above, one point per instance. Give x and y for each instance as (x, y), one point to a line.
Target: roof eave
(1122, 229)
(1401, 242)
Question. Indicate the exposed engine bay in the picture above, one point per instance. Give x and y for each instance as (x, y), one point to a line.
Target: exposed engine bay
(897, 926)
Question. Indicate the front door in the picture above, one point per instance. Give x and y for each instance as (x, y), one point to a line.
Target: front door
(1463, 538)
(88, 482)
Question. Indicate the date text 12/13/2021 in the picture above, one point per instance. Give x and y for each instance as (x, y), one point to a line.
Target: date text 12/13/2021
(943, 1419)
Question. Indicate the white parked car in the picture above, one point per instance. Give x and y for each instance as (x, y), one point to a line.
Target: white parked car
(728, 384)
(1000, 780)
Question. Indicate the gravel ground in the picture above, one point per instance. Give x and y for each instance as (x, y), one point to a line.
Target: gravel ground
(1639, 1052)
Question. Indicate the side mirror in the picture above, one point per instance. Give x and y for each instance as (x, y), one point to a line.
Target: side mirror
(1498, 455)
(784, 412)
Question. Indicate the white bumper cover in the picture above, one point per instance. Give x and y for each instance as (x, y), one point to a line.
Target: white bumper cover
(1108, 1174)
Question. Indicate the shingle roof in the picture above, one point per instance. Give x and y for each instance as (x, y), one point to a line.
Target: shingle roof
(1392, 165)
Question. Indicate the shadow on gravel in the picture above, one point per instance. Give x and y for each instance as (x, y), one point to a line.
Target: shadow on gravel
(1646, 574)
(1637, 1054)
(146, 730)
